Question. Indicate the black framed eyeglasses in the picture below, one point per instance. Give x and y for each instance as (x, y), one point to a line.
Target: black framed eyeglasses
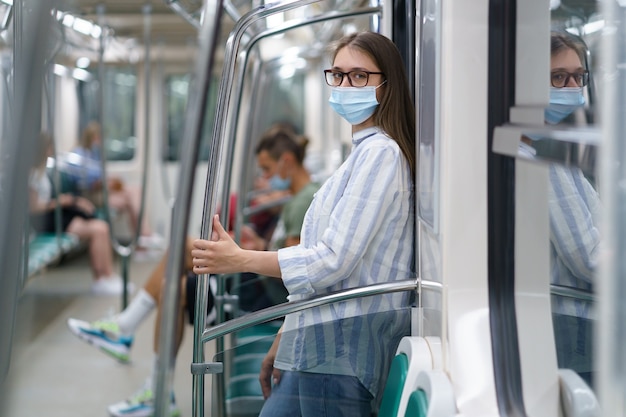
(560, 79)
(334, 78)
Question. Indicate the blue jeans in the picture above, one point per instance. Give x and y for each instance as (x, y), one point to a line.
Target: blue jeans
(303, 394)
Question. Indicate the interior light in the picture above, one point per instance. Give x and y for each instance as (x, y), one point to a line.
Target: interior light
(81, 74)
(59, 70)
(286, 71)
(592, 27)
(555, 4)
(9, 2)
(96, 31)
(83, 62)
(68, 20)
(83, 26)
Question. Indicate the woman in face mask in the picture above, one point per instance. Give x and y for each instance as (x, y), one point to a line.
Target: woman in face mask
(568, 76)
(358, 231)
(573, 207)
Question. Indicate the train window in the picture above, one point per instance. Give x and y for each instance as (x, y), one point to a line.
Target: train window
(120, 97)
(574, 205)
(283, 99)
(176, 91)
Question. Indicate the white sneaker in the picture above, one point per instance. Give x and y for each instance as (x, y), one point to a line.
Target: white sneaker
(105, 335)
(153, 241)
(141, 404)
(111, 286)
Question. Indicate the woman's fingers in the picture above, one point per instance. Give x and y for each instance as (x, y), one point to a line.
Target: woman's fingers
(215, 256)
(218, 231)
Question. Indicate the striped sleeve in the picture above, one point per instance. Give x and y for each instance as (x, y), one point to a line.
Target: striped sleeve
(360, 201)
(573, 231)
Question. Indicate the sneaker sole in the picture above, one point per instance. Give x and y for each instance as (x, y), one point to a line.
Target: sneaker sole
(98, 343)
(141, 412)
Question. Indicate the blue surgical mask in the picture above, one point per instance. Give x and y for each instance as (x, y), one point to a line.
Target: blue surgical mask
(355, 104)
(279, 184)
(563, 102)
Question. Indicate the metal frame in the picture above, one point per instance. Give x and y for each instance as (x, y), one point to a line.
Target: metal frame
(18, 152)
(209, 35)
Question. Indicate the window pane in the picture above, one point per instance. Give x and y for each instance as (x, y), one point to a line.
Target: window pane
(120, 98)
(176, 92)
(574, 205)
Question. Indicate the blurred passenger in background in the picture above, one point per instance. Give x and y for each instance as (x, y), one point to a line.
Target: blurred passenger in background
(87, 177)
(77, 218)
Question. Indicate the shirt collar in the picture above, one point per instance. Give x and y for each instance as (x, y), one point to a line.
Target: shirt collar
(361, 135)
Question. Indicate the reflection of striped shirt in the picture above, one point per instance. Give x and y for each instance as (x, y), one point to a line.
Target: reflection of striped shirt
(574, 237)
(358, 231)
(574, 208)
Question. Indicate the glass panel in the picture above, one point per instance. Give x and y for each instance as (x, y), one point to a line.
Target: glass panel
(120, 91)
(176, 90)
(573, 202)
(612, 332)
(428, 115)
(354, 350)
(283, 98)
(120, 97)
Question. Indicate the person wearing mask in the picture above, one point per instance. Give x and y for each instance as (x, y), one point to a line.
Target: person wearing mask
(358, 231)
(574, 207)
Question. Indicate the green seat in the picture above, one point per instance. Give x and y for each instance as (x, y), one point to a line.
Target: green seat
(417, 405)
(393, 388)
(260, 330)
(45, 249)
(255, 346)
(247, 364)
(244, 397)
(247, 385)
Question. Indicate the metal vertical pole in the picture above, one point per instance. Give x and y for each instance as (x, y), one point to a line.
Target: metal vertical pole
(18, 154)
(609, 353)
(196, 109)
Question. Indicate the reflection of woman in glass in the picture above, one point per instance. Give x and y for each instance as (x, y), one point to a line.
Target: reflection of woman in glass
(573, 209)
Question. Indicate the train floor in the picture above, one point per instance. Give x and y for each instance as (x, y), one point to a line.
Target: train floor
(54, 374)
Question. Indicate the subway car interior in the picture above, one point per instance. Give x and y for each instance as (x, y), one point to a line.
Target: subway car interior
(127, 125)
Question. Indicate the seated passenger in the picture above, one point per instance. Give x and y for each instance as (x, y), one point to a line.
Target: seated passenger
(280, 156)
(86, 174)
(76, 218)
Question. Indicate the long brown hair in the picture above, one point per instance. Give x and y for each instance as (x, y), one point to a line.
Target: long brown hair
(395, 114)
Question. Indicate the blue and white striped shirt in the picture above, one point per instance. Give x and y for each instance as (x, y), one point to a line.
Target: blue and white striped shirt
(574, 208)
(574, 235)
(358, 231)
